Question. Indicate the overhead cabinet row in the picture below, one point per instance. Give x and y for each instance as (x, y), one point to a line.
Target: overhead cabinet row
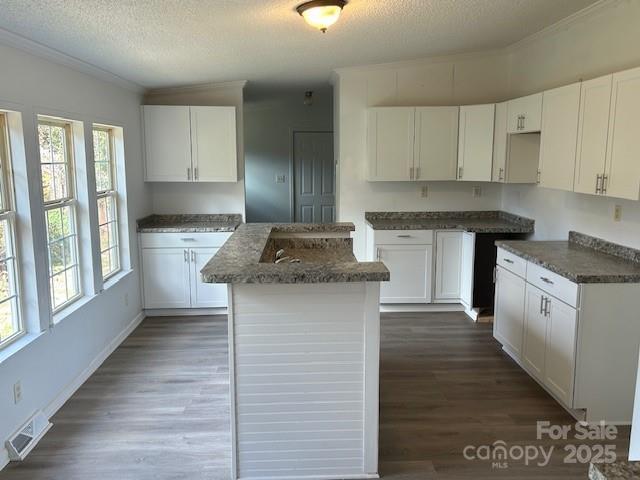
(580, 137)
(190, 144)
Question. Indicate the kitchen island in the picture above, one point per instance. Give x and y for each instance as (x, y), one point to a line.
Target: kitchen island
(303, 351)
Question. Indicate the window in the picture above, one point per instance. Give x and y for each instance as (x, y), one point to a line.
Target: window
(58, 192)
(103, 153)
(11, 326)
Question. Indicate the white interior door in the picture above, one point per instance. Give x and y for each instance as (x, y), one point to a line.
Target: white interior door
(560, 112)
(593, 126)
(436, 143)
(448, 271)
(475, 142)
(167, 139)
(560, 355)
(390, 132)
(205, 295)
(623, 151)
(410, 268)
(535, 332)
(214, 144)
(166, 279)
(508, 321)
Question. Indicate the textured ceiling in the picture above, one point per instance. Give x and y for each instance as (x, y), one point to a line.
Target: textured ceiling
(157, 43)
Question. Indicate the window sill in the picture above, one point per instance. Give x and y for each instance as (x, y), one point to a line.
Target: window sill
(17, 345)
(82, 301)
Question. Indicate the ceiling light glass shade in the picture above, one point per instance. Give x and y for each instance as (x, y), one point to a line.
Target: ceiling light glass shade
(321, 14)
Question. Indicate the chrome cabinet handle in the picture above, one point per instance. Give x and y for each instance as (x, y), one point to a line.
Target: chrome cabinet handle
(195, 173)
(538, 176)
(603, 186)
(547, 302)
(598, 185)
(523, 120)
(546, 280)
(501, 174)
(186, 255)
(188, 239)
(193, 256)
(378, 255)
(417, 171)
(188, 173)
(541, 303)
(460, 172)
(508, 260)
(410, 173)
(404, 236)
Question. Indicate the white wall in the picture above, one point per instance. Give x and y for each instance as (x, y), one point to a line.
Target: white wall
(202, 197)
(602, 42)
(445, 81)
(53, 360)
(270, 118)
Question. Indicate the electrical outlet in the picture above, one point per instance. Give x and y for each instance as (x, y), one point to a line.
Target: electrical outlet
(281, 178)
(617, 213)
(424, 191)
(476, 191)
(17, 392)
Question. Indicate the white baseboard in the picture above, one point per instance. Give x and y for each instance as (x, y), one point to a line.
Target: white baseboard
(182, 312)
(421, 307)
(68, 391)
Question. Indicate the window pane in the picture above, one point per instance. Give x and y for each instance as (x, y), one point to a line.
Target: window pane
(54, 224)
(58, 289)
(73, 288)
(9, 324)
(103, 160)
(105, 258)
(47, 183)
(60, 181)
(103, 210)
(55, 162)
(56, 257)
(5, 287)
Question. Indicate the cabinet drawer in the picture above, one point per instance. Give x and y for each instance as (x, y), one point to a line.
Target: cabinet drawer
(511, 262)
(403, 237)
(553, 284)
(160, 240)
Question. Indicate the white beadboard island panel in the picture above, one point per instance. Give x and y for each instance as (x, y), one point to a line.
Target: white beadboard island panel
(305, 364)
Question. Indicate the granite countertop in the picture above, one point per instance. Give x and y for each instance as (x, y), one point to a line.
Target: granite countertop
(581, 258)
(247, 257)
(491, 221)
(614, 471)
(189, 223)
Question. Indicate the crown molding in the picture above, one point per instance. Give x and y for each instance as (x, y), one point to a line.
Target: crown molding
(22, 43)
(564, 23)
(201, 87)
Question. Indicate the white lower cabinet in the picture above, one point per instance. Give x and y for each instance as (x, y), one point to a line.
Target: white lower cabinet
(448, 269)
(535, 332)
(410, 268)
(171, 264)
(508, 324)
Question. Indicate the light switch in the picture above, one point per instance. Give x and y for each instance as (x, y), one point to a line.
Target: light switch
(477, 191)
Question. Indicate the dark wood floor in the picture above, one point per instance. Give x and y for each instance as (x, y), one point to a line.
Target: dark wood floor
(158, 407)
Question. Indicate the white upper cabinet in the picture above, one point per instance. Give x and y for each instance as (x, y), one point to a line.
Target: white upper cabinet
(475, 142)
(593, 125)
(390, 143)
(622, 172)
(167, 137)
(500, 144)
(213, 144)
(190, 144)
(524, 114)
(436, 143)
(560, 112)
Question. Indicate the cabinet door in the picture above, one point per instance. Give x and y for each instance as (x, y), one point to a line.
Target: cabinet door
(593, 126)
(166, 279)
(622, 174)
(411, 271)
(475, 143)
(560, 355)
(390, 132)
(448, 265)
(500, 141)
(524, 114)
(508, 316)
(167, 140)
(560, 111)
(205, 294)
(535, 332)
(436, 143)
(214, 144)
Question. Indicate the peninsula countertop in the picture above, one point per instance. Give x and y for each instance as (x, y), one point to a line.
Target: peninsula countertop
(189, 223)
(247, 257)
(491, 221)
(581, 258)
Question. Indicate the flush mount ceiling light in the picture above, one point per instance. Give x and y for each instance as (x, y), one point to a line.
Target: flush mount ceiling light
(321, 14)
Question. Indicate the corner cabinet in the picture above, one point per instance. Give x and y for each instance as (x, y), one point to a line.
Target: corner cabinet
(578, 341)
(475, 142)
(190, 144)
(412, 143)
(171, 264)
